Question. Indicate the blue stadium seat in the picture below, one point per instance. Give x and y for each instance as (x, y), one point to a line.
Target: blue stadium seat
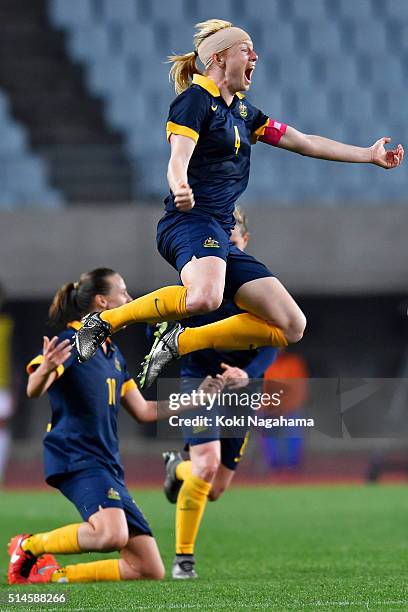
(397, 9)
(137, 40)
(89, 43)
(337, 70)
(127, 108)
(172, 12)
(107, 74)
(312, 10)
(358, 11)
(371, 37)
(121, 11)
(268, 12)
(324, 37)
(210, 9)
(389, 73)
(13, 137)
(280, 41)
(297, 71)
(63, 13)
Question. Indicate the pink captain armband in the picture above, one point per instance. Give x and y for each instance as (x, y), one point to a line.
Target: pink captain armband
(273, 132)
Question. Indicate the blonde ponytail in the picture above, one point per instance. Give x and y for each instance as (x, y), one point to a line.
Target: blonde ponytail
(184, 66)
(182, 70)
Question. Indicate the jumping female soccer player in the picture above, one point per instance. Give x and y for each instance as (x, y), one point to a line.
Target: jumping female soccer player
(213, 458)
(211, 127)
(81, 451)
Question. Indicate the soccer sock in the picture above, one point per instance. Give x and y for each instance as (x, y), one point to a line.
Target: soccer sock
(96, 571)
(183, 470)
(63, 541)
(240, 332)
(165, 304)
(191, 502)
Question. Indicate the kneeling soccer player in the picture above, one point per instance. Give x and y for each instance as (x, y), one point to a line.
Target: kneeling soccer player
(81, 450)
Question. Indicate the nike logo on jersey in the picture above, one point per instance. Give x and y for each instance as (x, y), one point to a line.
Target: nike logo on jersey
(14, 558)
(214, 108)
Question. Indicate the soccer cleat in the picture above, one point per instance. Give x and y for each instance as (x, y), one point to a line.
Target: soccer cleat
(163, 351)
(21, 561)
(172, 484)
(91, 335)
(183, 567)
(43, 569)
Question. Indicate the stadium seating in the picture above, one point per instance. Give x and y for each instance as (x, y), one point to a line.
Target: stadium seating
(334, 68)
(23, 175)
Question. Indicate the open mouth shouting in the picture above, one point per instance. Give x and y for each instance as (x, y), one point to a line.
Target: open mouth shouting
(248, 75)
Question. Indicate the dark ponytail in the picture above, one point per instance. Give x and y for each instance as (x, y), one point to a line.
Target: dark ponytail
(74, 300)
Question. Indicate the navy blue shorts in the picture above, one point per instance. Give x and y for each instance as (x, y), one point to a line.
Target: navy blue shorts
(232, 449)
(195, 236)
(94, 488)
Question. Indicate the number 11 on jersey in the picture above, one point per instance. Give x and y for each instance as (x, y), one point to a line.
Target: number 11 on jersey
(111, 382)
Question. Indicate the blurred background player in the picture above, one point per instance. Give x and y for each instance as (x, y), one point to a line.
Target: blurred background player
(213, 458)
(6, 393)
(283, 446)
(210, 129)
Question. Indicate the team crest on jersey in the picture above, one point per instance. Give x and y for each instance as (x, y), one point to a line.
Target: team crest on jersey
(112, 494)
(210, 243)
(117, 364)
(243, 110)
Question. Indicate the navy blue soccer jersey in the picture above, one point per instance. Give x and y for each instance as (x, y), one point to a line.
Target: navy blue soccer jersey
(85, 400)
(218, 171)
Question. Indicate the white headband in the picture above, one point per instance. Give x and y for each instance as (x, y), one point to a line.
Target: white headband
(220, 41)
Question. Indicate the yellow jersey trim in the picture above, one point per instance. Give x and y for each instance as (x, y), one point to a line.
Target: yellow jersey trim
(75, 325)
(128, 386)
(181, 130)
(259, 132)
(209, 85)
(49, 427)
(34, 363)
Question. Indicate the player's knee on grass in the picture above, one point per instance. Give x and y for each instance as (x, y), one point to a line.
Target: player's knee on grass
(136, 568)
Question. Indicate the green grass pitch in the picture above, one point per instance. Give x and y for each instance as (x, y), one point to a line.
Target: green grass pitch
(283, 548)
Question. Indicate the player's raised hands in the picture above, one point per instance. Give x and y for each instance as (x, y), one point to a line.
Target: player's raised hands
(234, 378)
(55, 353)
(183, 197)
(384, 158)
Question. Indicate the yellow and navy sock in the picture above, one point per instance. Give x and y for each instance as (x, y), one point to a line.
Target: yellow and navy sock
(191, 502)
(240, 332)
(96, 571)
(63, 540)
(165, 304)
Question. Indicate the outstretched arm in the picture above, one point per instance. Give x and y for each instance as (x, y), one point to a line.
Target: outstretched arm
(324, 148)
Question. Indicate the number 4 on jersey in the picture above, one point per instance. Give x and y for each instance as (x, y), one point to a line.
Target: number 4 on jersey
(237, 140)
